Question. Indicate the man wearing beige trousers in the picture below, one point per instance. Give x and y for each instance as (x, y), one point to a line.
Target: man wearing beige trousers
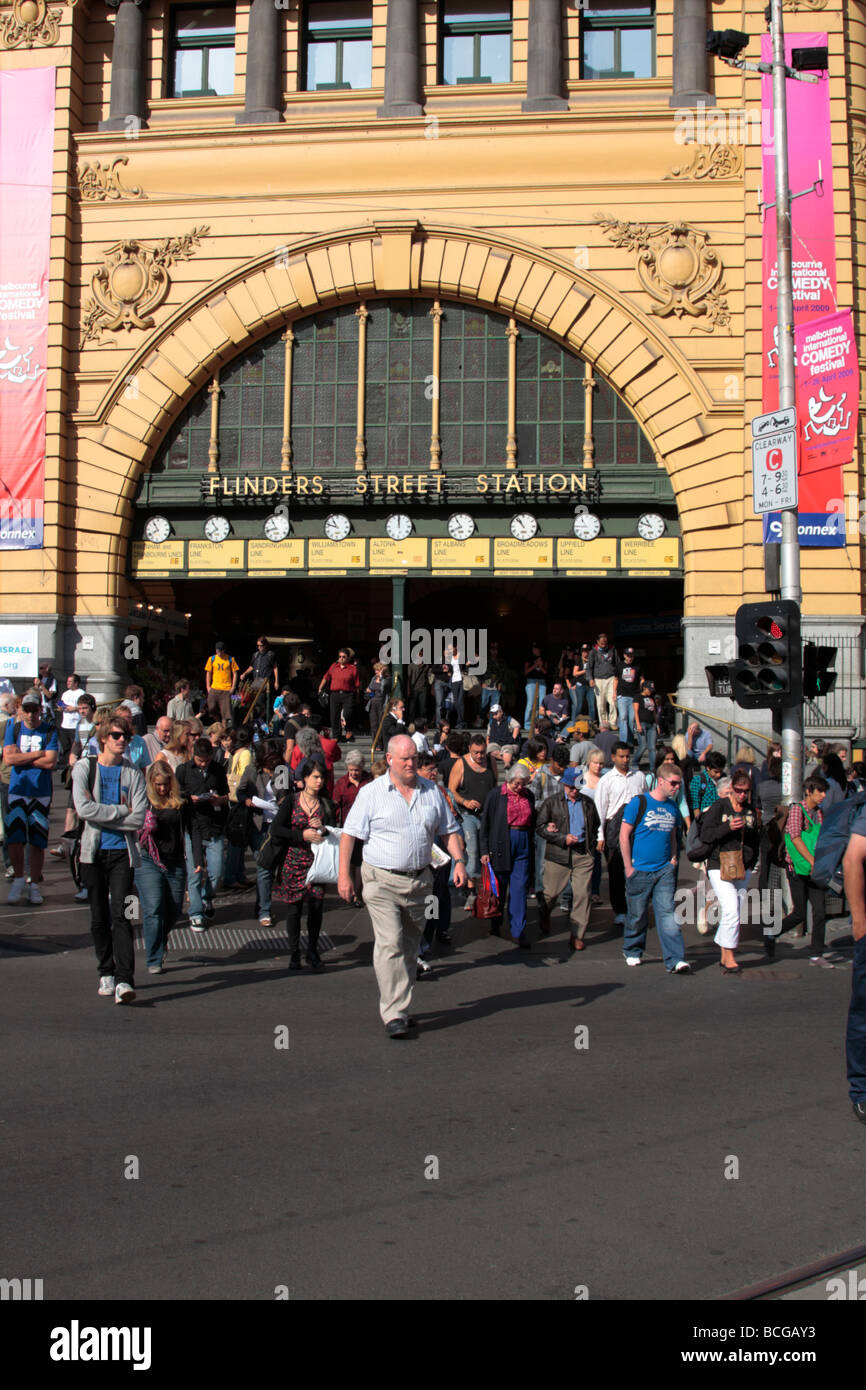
(397, 817)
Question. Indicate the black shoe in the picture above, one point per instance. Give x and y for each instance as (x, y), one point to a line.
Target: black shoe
(859, 1109)
(208, 910)
(770, 947)
(314, 960)
(397, 1028)
(445, 937)
(295, 960)
(523, 943)
(423, 970)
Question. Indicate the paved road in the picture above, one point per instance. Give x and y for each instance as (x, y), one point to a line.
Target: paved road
(559, 1166)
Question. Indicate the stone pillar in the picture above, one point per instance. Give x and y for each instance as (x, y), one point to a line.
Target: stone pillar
(402, 61)
(127, 68)
(690, 54)
(263, 98)
(544, 68)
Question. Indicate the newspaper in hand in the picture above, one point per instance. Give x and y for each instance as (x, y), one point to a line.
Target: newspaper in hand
(438, 857)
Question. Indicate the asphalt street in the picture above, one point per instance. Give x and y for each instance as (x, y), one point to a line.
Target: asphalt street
(694, 1139)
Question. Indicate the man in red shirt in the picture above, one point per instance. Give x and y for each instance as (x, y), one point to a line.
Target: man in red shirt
(343, 683)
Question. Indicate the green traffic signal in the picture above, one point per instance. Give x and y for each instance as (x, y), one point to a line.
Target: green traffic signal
(818, 678)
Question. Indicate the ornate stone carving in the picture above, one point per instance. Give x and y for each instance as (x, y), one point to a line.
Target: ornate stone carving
(98, 183)
(804, 4)
(677, 268)
(711, 162)
(858, 156)
(31, 24)
(133, 281)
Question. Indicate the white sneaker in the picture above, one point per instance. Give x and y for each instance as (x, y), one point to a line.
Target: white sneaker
(35, 897)
(18, 891)
(682, 967)
(123, 994)
(632, 960)
(106, 984)
(822, 961)
(197, 924)
(81, 895)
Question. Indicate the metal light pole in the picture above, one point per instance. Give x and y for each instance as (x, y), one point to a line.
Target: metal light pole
(792, 719)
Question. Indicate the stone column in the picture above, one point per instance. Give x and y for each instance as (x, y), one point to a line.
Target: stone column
(544, 68)
(126, 111)
(691, 87)
(402, 61)
(263, 98)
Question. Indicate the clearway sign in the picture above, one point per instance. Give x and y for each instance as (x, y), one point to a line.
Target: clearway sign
(774, 461)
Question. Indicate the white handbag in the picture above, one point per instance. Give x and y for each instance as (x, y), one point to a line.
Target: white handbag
(325, 867)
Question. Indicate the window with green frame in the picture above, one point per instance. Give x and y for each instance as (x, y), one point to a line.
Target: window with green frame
(398, 399)
(475, 42)
(338, 45)
(203, 52)
(617, 40)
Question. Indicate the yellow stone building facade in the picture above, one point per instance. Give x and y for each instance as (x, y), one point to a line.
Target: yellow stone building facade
(604, 216)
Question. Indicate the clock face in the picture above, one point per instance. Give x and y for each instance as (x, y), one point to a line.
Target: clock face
(216, 528)
(337, 526)
(523, 526)
(461, 526)
(158, 529)
(399, 526)
(650, 526)
(586, 526)
(277, 527)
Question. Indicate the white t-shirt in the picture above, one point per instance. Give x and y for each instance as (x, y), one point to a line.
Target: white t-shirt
(455, 670)
(420, 742)
(68, 702)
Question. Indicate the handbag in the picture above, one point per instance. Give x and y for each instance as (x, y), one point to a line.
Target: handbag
(731, 865)
(325, 867)
(487, 902)
(471, 685)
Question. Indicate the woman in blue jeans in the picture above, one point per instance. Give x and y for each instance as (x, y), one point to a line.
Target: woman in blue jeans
(535, 675)
(507, 842)
(161, 876)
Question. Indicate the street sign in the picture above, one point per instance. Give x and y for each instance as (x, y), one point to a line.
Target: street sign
(773, 422)
(774, 471)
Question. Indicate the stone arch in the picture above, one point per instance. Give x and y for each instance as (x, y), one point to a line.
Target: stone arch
(404, 258)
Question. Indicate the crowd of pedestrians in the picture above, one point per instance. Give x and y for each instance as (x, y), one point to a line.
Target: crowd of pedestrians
(573, 776)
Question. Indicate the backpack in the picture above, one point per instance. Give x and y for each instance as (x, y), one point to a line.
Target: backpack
(833, 841)
(614, 825)
(697, 850)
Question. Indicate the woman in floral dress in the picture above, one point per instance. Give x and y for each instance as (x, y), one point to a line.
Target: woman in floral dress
(299, 822)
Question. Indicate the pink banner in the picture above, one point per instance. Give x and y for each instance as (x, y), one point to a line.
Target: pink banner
(828, 382)
(810, 166)
(26, 160)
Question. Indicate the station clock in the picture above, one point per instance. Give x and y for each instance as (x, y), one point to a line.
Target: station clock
(461, 526)
(586, 525)
(524, 526)
(650, 526)
(399, 526)
(216, 528)
(157, 529)
(277, 526)
(337, 526)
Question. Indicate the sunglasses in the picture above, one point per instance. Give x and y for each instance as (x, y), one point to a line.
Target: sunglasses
(116, 733)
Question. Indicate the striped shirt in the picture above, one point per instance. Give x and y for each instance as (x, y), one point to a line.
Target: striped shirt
(614, 791)
(399, 834)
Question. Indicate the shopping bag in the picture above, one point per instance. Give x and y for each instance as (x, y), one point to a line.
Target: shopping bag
(325, 867)
(487, 899)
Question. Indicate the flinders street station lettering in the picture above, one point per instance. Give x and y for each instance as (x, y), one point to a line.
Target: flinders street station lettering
(367, 485)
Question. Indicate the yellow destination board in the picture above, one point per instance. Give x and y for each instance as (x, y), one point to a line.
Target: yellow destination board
(337, 555)
(275, 555)
(147, 556)
(523, 555)
(663, 554)
(462, 555)
(572, 554)
(224, 556)
(386, 554)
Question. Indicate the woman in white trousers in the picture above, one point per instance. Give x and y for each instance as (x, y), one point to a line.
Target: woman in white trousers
(731, 824)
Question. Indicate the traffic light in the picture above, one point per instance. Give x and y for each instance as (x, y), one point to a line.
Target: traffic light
(720, 678)
(818, 679)
(768, 671)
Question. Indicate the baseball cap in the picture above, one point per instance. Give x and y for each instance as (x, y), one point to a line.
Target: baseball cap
(628, 651)
(31, 700)
(569, 777)
(494, 708)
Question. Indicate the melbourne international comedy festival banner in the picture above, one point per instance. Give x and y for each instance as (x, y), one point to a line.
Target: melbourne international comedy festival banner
(26, 157)
(810, 161)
